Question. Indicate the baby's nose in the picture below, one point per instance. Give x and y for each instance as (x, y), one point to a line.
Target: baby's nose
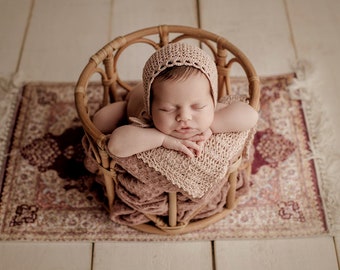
(183, 115)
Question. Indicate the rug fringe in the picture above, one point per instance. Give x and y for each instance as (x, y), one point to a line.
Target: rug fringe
(10, 89)
(322, 139)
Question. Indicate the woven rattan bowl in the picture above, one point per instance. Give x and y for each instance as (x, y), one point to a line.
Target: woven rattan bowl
(104, 63)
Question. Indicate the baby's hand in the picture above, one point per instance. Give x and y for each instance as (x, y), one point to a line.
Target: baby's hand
(206, 135)
(200, 139)
(188, 147)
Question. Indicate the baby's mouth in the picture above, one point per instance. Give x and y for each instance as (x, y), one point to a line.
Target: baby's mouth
(184, 130)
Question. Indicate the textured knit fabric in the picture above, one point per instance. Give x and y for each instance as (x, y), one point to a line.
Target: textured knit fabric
(197, 175)
(178, 54)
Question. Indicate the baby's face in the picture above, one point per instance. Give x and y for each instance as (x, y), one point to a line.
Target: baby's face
(183, 108)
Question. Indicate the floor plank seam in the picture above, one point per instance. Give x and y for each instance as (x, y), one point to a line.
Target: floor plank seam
(213, 255)
(28, 23)
(290, 27)
(198, 13)
(92, 256)
(337, 251)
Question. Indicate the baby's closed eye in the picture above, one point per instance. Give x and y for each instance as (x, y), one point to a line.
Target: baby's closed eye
(167, 109)
(199, 106)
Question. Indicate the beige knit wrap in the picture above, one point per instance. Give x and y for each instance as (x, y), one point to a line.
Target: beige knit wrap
(196, 176)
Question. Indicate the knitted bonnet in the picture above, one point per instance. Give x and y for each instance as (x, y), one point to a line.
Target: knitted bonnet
(178, 54)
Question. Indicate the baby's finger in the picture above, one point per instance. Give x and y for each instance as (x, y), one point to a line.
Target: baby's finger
(187, 151)
(193, 146)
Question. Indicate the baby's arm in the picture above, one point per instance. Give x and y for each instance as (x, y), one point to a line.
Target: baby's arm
(110, 117)
(128, 140)
(238, 116)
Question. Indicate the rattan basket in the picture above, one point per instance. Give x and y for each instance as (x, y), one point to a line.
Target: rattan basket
(104, 62)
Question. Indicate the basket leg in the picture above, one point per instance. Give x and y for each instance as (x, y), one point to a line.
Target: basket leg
(108, 186)
(172, 209)
(232, 190)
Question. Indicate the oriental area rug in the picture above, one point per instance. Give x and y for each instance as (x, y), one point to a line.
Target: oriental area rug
(48, 195)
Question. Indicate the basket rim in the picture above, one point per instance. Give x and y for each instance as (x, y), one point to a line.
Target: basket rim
(162, 31)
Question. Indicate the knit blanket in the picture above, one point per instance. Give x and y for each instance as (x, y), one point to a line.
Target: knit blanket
(142, 184)
(198, 175)
(141, 191)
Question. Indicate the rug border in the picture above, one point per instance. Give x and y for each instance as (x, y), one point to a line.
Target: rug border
(9, 119)
(318, 124)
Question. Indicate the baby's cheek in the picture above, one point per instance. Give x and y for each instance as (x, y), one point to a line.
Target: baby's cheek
(162, 125)
(209, 118)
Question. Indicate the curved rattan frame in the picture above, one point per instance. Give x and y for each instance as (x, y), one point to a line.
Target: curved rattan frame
(108, 57)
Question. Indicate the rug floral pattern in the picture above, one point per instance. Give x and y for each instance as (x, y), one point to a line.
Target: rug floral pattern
(48, 194)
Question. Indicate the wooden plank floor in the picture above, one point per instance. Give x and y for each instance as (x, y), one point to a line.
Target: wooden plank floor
(49, 40)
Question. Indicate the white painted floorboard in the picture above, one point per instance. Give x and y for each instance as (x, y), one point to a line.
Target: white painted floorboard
(153, 256)
(63, 35)
(260, 30)
(130, 15)
(13, 22)
(45, 256)
(292, 254)
(317, 38)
